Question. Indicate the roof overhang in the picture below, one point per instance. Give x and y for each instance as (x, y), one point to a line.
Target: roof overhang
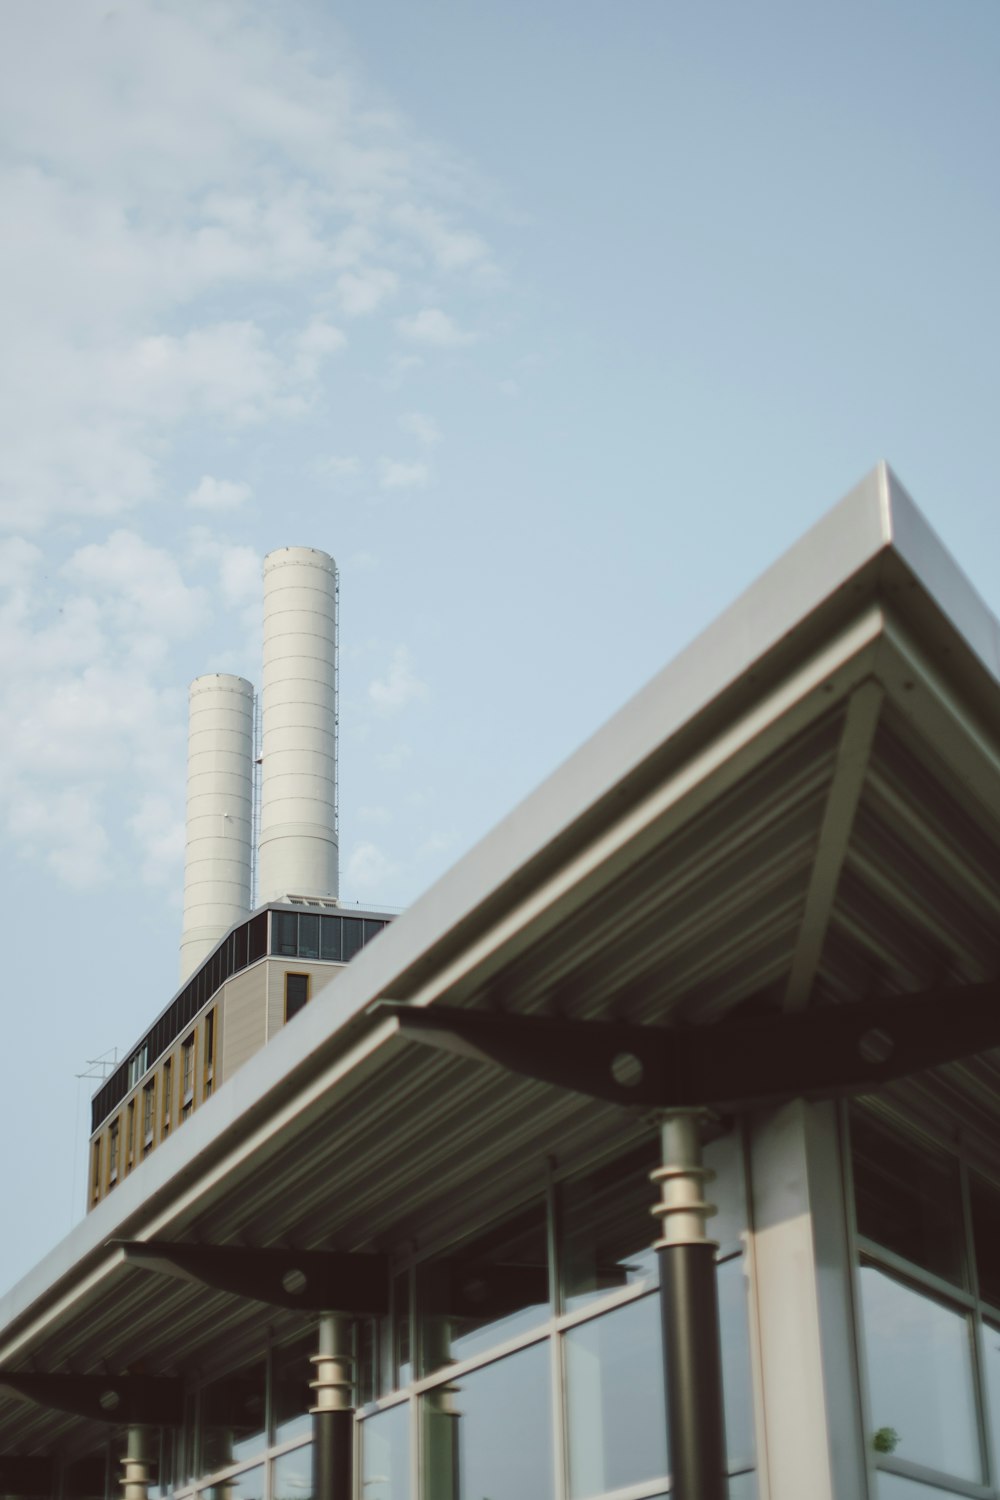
(802, 809)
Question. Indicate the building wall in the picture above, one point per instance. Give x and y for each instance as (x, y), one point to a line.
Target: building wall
(243, 1014)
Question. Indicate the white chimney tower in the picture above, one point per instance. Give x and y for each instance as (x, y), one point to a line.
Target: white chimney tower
(298, 812)
(217, 856)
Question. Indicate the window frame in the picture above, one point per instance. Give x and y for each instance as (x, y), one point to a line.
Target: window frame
(964, 1300)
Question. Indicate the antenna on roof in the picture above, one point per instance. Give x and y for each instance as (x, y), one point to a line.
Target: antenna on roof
(101, 1067)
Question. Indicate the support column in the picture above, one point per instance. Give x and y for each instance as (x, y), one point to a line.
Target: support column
(814, 1437)
(333, 1412)
(689, 1308)
(135, 1465)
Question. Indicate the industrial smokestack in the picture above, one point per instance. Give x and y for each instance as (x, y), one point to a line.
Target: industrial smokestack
(218, 848)
(298, 813)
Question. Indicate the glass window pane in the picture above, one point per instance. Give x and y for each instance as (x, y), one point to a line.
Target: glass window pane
(353, 937)
(986, 1236)
(991, 1360)
(606, 1228)
(908, 1199)
(385, 1454)
(330, 948)
(736, 1370)
(919, 1376)
(614, 1395)
(485, 1291)
(309, 935)
(285, 933)
(402, 1353)
(895, 1487)
(743, 1487)
(490, 1432)
(246, 1486)
(232, 1419)
(291, 1475)
(291, 1396)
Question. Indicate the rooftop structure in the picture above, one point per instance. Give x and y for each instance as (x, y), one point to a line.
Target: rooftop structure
(789, 838)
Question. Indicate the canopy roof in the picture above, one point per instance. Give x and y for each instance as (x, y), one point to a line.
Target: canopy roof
(803, 808)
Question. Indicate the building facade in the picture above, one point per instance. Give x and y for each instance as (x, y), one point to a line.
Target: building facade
(405, 1251)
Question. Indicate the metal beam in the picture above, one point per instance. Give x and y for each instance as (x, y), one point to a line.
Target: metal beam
(819, 1053)
(309, 1280)
(849, 772)
(126, 1400)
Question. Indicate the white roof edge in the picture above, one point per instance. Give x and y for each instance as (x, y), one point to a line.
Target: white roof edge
(876, 515)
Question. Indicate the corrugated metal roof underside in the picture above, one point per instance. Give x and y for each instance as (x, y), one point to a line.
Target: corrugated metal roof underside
(707, 918)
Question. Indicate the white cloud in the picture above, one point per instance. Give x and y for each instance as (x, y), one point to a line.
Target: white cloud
(368, 868)
(140, 586)
(188, 180)
(433, 326)
(337, 468)
(159, 831)
(363, 291)
(218, 494)
(399, 686)
(65, 831)
(451, 249)
(394, 475)
(316, 343)
(423, 428)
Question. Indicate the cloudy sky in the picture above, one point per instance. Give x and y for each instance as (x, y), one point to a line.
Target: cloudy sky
(555, 323)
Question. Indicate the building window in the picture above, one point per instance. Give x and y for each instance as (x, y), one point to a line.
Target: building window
(95, 1169)
(113, 1133)
(148, 1115)
(929, 1312)
(208, 1071)
(129, 1136)
(187, 1073)
(167, 1093)
(296, 994)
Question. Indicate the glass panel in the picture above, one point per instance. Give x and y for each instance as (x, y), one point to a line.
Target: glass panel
(330, 947)
(402, 1353)
(258, 937)
(991, 1360)
(309, 935)
(232, 1419)
(606, 1228)
(920, 1377)
(986, 1236)
(614, 1396)
(372, 929)
(291, 1396)
(291, 1475)
(246, 1486)
(908, 1199)
(736, 1370)
(727, 1190)
(284, 930)
(743, 1487)
(385, 1454)
(895, 1487)
(353, 936)
(485, 1291)
(490, 1433)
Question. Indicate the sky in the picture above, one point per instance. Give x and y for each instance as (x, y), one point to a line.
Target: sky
(555, 323)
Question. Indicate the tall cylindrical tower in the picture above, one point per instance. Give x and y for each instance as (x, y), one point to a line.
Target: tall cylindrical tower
(217, 857)
(298, 808)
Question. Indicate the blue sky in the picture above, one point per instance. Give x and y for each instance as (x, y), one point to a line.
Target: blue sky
(554, 323)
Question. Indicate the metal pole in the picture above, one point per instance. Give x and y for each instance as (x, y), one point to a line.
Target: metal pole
(333, 1413)
(135, 1465)
(689, 1308)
